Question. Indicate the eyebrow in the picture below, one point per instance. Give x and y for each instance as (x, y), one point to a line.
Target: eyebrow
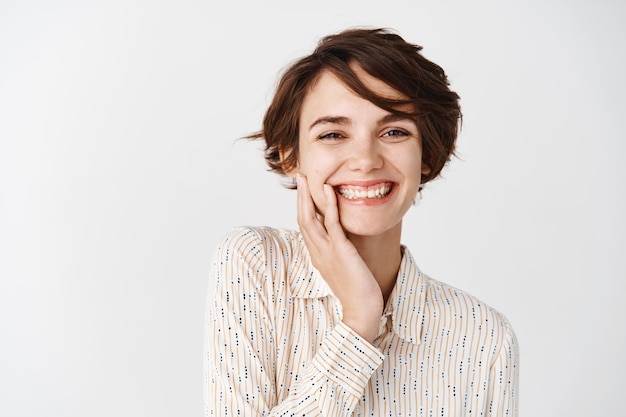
(342, 120)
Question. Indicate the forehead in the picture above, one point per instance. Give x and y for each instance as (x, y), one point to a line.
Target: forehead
(330, 89)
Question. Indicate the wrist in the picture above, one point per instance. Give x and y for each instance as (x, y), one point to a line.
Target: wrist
(365, 324)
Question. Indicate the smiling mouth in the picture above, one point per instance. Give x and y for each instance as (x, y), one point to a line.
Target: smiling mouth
(353, 192)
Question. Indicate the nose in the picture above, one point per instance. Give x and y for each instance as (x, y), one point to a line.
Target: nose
(365, 154)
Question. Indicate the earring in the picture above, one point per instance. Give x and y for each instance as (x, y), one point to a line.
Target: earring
(418, 196)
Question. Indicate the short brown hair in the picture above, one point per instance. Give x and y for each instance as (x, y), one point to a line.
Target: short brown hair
(386, 56)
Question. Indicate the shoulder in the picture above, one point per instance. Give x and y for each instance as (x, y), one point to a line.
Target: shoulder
(458, 311)
(446, 304)
(257, 241)
(250, 263)
(460, 302)
(257, 250)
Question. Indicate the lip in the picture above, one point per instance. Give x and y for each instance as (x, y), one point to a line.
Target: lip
(366, 184)
(362, 183)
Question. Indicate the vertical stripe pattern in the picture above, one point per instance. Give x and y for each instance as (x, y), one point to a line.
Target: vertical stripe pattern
(276, 345)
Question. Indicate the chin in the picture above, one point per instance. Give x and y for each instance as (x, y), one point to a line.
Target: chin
(369, 229)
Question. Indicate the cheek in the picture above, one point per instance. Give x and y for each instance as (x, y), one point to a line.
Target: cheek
(408, 163)
(414, 160)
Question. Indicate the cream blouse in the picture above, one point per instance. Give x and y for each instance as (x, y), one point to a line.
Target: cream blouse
(276, 345)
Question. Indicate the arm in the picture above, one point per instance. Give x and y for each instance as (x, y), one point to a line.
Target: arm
(504, 378)
(240, 351)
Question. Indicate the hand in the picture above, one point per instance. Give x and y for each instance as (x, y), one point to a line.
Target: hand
(339, 262)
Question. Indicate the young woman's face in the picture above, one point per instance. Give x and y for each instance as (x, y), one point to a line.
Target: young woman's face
(371, 158)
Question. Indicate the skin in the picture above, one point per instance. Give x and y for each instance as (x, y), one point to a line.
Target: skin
(347, 142)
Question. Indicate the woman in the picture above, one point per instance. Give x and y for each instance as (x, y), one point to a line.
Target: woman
(337, 319)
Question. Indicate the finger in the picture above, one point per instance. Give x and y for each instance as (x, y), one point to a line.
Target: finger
(331, 213)
(306, 207)
(312, 230)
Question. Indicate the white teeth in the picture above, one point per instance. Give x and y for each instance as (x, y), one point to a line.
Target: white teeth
(352, 194)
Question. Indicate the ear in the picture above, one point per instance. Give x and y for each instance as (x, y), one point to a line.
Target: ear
(293, 171)
(425, 169)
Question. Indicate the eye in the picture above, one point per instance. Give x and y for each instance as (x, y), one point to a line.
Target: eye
(396, 135)
(331, 137)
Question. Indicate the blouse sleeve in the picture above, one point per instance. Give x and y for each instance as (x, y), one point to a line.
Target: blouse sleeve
(504, 378)
(240, 354)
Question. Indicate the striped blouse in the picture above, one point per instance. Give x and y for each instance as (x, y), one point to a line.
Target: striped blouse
(276, 345)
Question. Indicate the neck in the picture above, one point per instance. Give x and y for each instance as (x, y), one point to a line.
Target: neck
(382, 255)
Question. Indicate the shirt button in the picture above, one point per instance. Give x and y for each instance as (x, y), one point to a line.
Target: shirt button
(357, 410)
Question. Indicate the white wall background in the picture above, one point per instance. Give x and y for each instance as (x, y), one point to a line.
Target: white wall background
(120, 171)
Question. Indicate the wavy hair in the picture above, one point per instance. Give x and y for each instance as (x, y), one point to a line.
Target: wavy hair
(386, 56)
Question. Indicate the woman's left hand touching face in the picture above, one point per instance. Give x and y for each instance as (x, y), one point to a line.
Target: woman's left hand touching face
(339, 262)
